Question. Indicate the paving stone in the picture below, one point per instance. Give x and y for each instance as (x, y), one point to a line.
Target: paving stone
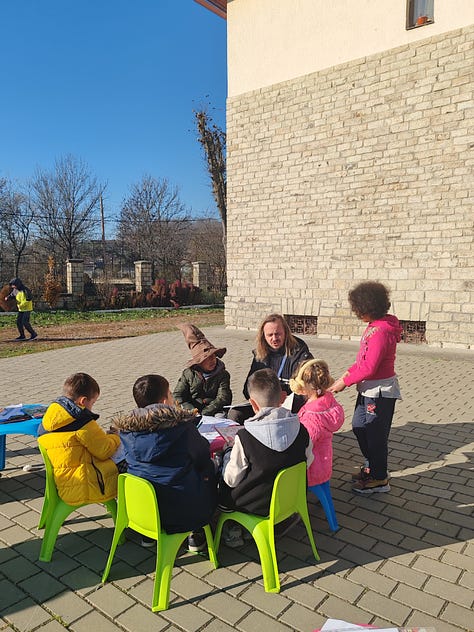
(228, 580)
(225, 607)
(94, 621)
(368, 579)
(302, 619)
(11, 594)
(384, 607)
(18, 568)
(305, 594)
(217, 626)
(412, 538)
(259, 621)
(187, 616)
(418, 599)
(140, 618)
(459, 560)
(438, 569)
(41, 587)
(450, 592)
(336, 608)
(340, 587)
(82, 580)
(424, 620)
(110, 600)
(15, 535)
(457, 615)
(53, 626)
(67, 606)
(25, 615)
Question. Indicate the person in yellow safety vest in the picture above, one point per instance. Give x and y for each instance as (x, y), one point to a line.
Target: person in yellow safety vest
(24, 302)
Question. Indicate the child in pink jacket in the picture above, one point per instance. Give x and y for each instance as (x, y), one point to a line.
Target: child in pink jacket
(321, 415)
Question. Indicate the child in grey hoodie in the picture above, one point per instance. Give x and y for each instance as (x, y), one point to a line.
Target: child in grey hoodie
(271, 440)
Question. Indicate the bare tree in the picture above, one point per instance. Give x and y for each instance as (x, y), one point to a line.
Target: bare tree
(16, 221)
(68, 203)
(213, 140)
(205, 244)
(154, 224)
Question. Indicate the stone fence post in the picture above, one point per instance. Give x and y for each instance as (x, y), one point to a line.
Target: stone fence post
(75, 277)
(201, 274)
(143, 276)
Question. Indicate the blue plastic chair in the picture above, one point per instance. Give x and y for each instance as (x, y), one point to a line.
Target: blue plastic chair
(323, 492)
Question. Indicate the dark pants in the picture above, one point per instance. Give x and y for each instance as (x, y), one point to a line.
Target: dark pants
(23, 322)
(371, 425)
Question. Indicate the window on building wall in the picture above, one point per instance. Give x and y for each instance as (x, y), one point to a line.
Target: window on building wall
(419, 13)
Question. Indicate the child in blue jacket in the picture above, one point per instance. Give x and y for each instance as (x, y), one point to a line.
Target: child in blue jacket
(163, 445)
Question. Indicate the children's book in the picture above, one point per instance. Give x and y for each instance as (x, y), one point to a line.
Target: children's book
(228, 433)
(21, 412)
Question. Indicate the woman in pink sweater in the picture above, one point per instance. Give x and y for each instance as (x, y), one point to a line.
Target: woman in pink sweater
(377, 384)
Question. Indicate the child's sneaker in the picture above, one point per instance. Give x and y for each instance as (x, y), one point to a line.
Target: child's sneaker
(371, 486)
(197, 541)
(147, 542)
(362, 473)
(232, 535)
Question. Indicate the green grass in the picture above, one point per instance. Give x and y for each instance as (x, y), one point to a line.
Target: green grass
(63, 317)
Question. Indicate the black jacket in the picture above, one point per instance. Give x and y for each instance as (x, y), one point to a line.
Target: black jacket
(274, 360)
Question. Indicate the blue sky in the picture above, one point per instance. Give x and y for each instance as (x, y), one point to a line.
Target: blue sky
(113, 82)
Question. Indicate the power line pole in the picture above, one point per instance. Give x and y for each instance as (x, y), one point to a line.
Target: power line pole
(102, 221)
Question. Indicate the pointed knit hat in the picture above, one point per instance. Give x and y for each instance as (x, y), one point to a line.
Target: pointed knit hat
(199, 345)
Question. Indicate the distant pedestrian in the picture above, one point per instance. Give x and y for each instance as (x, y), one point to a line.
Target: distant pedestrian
(23, 297)
(377, 384)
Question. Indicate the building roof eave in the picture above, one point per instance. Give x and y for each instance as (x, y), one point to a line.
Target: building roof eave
(219, 7)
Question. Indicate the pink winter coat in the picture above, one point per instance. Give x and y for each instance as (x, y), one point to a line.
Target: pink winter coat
(321, 417)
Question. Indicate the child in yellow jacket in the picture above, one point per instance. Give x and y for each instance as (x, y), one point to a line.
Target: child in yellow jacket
(78, 448)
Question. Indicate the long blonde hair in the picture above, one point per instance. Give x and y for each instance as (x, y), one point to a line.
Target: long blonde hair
(263, 349)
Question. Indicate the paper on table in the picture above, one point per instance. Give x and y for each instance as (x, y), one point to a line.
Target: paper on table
(336, 625)
(208, 425)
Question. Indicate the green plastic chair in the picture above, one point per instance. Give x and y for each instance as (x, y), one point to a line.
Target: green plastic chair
(55, 511)
(138, 509)
(288, 497)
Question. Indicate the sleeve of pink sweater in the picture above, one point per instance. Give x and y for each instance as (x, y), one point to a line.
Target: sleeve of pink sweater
(373, 347)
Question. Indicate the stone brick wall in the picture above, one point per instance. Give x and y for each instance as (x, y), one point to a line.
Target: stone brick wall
(361, 171)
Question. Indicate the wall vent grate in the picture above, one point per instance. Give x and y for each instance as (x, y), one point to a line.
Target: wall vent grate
(414, 331)
(302, 324)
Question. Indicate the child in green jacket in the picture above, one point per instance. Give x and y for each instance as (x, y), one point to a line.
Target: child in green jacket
(204, 385)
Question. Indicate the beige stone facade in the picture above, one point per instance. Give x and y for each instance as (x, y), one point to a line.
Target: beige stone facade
(358, 171)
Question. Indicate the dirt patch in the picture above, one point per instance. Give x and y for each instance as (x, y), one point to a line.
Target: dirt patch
(83, 333)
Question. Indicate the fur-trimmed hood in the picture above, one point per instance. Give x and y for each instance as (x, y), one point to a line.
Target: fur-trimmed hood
(152, 418)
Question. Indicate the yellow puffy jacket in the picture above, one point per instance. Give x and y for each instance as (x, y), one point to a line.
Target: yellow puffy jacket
(79, 451)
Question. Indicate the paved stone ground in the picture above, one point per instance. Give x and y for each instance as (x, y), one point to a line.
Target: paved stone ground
(403, 558)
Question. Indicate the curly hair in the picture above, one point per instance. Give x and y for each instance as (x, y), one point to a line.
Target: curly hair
(370, 299)
(312, 375)
(263, 349)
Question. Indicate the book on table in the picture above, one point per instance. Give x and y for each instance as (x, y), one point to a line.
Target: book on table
(21, 412)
